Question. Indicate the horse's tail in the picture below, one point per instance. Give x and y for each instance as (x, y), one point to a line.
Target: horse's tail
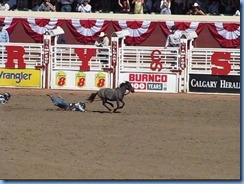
(92, 97)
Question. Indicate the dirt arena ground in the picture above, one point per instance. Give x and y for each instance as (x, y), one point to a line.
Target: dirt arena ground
(155, 136)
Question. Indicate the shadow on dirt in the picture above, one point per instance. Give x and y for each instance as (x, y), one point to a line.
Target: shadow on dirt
(107, 112)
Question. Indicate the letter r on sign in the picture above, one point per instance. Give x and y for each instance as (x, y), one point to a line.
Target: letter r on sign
(15, 52)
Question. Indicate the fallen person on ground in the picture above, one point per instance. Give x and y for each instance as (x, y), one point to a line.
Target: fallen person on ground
(4, 97)
(63, 105)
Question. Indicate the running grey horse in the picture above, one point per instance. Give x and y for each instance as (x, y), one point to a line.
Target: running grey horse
(108, 94)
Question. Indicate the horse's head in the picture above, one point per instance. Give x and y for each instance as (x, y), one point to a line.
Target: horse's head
(128, 86)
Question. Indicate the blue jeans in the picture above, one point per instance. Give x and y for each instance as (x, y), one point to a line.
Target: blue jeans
(60, 103)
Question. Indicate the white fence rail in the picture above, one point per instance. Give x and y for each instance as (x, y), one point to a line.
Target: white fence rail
(67, 57)
(200, 60)
(154, 69)
(32, 54)
(141, 58)
(213, 70)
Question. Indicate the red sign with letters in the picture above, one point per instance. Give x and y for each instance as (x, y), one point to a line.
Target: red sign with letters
(221, 59)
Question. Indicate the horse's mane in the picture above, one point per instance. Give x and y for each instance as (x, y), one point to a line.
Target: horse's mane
(123, 84)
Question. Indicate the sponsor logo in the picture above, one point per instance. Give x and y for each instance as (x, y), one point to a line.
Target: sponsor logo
(17, 76)
(214, 83)
(152, 82)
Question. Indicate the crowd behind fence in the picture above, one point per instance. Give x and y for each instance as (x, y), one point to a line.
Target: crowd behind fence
(215, 7)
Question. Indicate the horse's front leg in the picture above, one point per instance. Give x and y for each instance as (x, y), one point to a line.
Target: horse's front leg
(117, 102)
(123, 104)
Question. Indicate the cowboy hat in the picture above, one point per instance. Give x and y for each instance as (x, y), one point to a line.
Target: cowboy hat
(195, 4)
(102, 34)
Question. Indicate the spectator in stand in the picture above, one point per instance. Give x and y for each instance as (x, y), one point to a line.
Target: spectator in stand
(156, 6)
(236, 4)
(178, 7)
(84, 7)
(237, 10)
(95, 5)
(124, 6)
(237, 13)
(147, 7)
(46, 6)
(226, 7)
(213, 8)
(12, 4)
(105, 6)
(65, 5)
(165, 7)
(195, 10)
(4, 6)
(189, 4)
(138, 8)
(22, 5)
(4, 36)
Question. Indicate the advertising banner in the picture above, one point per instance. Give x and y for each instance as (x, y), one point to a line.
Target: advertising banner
(79, 80)
(20, 77)
(152, 82)
(214, 83)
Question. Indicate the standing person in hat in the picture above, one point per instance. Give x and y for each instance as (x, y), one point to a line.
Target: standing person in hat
(4, 36)
(103, 41)
(173, 39)
(195, 10)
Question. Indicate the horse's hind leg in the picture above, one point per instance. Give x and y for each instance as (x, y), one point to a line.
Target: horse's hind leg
(109, 103)
(105, 105)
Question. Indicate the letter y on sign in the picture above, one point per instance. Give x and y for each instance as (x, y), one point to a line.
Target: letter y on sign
(85, 56)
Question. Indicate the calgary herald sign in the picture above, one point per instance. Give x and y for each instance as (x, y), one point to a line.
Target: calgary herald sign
(221, 79)
(214, 83)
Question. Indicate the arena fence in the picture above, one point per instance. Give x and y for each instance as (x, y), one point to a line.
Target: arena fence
(20, 65)
(213, 70)
(80, 67)
(149, 69)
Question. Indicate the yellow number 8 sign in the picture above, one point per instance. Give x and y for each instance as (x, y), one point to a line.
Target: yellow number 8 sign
(61, 78)
(100, 80)
(80, 79)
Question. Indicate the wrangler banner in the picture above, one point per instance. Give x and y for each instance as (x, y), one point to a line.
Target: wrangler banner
(20, 77)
